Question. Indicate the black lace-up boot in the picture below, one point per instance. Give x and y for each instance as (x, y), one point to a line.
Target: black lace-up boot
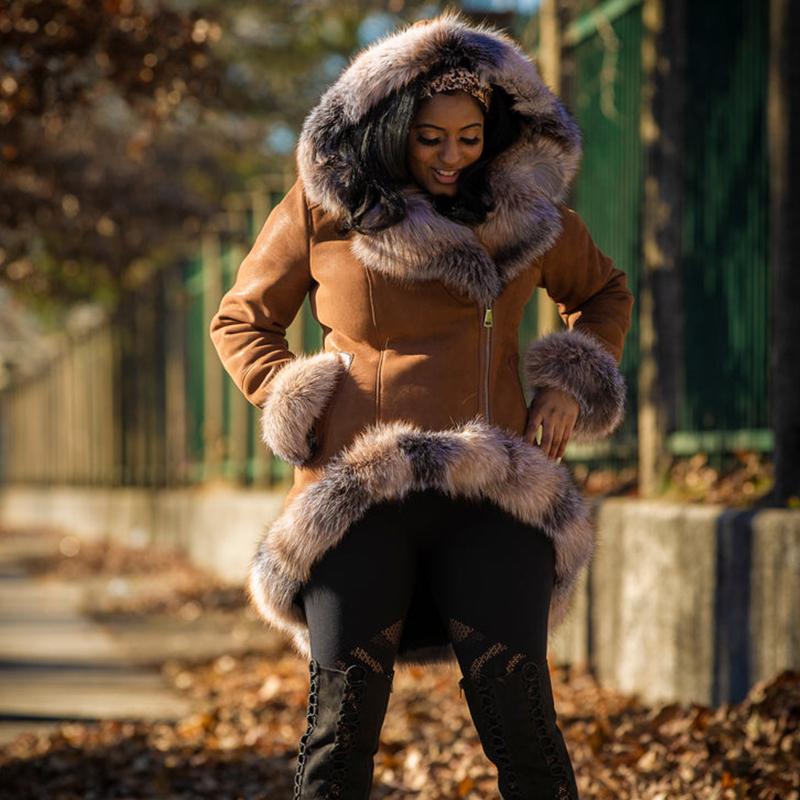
(515, 718)
(345, 715)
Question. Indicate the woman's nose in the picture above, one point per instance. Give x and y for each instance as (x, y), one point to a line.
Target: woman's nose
(450, 153)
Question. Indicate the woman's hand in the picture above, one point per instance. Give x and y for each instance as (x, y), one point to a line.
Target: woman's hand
(556, 412)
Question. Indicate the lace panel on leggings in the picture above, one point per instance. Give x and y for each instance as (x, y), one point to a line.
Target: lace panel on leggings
(379, 653)
(481, 654)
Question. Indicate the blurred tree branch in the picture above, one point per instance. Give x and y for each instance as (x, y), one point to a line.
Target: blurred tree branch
(123, 123)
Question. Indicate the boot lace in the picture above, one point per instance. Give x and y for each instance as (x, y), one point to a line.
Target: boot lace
(311, 716)
(553, 755)
(500, 751)
(346, 728)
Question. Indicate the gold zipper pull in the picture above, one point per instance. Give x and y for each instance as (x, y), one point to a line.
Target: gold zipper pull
(487, 318)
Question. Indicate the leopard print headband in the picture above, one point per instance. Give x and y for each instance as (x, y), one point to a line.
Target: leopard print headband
(459, 79)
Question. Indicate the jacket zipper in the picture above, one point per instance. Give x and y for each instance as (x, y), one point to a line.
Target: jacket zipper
(488, 321)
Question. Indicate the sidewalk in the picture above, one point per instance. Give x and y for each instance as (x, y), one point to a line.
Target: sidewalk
(57, 664)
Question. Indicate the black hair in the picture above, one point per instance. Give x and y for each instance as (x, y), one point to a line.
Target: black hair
(375, 151)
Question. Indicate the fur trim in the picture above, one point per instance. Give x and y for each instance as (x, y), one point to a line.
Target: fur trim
(576, 362)
(386, 461)
(526, 181)
(298, 395)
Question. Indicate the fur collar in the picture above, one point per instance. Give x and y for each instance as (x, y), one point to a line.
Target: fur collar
(528, 180)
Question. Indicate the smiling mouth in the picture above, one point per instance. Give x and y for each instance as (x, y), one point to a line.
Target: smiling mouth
(446, 177)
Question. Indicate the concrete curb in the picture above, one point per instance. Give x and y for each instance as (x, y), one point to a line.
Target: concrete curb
(683, 602)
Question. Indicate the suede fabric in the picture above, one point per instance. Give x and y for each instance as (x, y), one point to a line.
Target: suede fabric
(420, 380)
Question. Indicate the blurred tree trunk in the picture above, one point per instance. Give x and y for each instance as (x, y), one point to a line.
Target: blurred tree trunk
(550, 65)
(784, 155)
(660, 294)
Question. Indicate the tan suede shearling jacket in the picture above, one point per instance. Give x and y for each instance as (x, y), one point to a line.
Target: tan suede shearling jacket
(422, 351)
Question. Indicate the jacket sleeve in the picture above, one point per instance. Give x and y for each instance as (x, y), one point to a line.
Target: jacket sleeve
(595, 304)
(249, 332)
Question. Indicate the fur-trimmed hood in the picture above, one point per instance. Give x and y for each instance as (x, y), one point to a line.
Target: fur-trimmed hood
(527, 181)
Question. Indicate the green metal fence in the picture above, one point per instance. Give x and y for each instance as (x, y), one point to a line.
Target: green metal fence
(195, 379)
(725, 257)
(606, 100)
(725, 227)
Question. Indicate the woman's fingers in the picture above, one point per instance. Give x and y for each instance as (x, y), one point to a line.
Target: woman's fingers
(548, 433)
(560, 433)
(551, 432)
(558, 437)
(534, 421)
(554, 412)
(563, 445)
(556, 429)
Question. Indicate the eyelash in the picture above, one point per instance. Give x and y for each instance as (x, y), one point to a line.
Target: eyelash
(436, 141)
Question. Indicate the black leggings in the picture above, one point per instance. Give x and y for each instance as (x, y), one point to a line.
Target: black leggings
(491, 577)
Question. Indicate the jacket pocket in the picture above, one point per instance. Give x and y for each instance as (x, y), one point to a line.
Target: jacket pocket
(319, 430)
(513, 363)
(514, 401)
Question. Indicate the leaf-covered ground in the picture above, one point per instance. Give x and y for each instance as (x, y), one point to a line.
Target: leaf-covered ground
(241, 742)
(740, 479)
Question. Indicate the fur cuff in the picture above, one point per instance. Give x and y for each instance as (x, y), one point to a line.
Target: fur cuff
(297, 396)
(576, 362)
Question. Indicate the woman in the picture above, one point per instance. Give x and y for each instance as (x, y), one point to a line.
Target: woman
(425, 524)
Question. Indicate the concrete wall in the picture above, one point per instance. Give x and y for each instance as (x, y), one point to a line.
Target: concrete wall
(686, 602)
(217, 528)
(681, 603)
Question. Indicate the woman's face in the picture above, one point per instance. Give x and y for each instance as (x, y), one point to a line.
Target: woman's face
(446, 135)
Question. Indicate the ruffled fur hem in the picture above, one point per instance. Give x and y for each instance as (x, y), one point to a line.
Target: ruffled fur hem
(386, 461)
